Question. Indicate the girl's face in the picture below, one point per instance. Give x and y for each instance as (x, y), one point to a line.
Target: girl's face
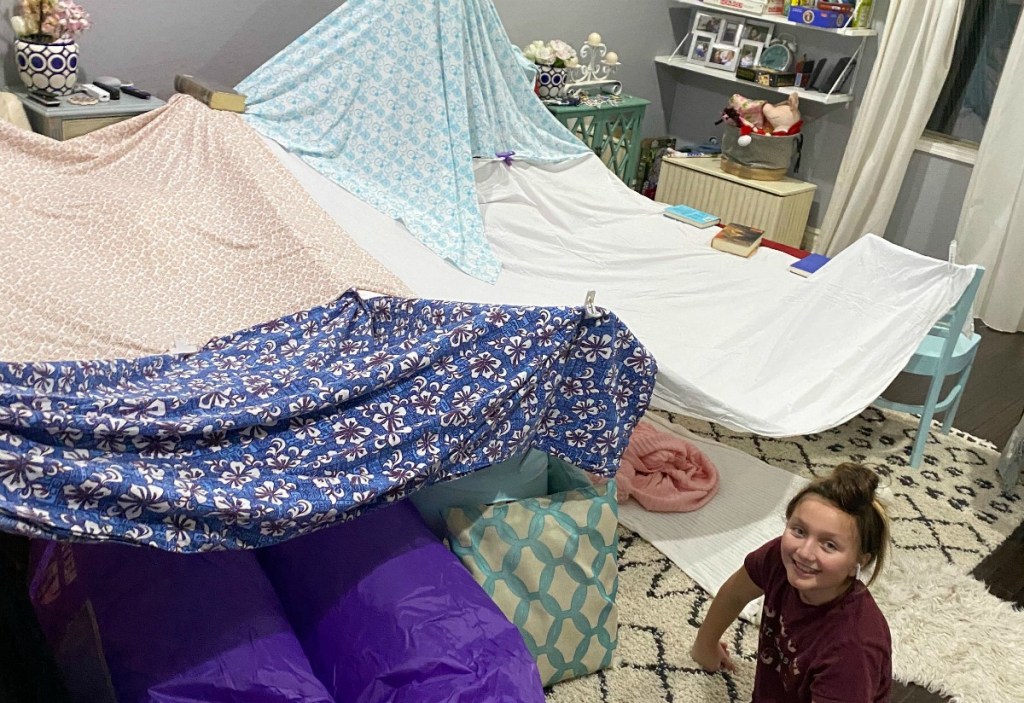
(820, 550)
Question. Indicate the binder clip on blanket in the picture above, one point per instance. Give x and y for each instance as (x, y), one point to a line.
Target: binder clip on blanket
(589, 310)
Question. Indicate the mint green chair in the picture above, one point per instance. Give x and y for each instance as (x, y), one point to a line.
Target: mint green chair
(944, 352)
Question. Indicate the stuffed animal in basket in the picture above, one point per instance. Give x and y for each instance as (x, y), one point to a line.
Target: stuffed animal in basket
(784, 118)
(761, 117)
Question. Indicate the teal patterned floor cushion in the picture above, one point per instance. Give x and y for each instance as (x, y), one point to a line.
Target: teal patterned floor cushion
(550, 565)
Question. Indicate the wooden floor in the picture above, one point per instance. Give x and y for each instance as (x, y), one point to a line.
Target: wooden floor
(991, 407)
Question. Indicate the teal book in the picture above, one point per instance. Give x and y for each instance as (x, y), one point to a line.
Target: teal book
(691, 215)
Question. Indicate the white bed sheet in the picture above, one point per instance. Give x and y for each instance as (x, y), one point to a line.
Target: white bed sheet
(738, 341)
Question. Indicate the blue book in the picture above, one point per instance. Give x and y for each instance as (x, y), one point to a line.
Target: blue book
(691, 215)
(809, 264)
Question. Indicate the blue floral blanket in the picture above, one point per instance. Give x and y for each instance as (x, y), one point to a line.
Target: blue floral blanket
(291, 425)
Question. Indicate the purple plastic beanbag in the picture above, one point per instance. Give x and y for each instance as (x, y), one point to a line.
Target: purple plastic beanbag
(132, 624)
(386, 613)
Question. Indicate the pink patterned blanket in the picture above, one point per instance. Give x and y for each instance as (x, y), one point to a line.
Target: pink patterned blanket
(178, 224)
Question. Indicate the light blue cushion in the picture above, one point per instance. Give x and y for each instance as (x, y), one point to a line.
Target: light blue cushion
(522, 476)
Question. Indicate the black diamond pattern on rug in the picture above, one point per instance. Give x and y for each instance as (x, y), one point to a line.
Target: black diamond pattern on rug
(951, 506)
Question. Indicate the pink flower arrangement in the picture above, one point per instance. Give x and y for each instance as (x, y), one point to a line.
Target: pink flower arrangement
(50, 21)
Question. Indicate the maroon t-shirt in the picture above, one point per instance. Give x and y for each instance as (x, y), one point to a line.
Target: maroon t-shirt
(838, 652)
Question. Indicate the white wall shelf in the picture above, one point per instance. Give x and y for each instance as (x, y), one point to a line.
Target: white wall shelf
(680, 62)
(776, 19)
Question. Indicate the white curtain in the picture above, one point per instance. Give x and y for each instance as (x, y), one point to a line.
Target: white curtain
(913, 59)
(991, 229)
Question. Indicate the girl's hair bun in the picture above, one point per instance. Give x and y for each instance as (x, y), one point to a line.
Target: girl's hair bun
(852, 486)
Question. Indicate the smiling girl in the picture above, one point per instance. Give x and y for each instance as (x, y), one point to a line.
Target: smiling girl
(822, 637)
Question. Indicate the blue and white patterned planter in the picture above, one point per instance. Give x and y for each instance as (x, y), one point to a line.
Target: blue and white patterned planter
(52, 67)
(551, 82)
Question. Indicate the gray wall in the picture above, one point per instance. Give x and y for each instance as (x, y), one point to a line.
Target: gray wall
(928, 207)
(637, 31)
(147, 42)
(694, 102)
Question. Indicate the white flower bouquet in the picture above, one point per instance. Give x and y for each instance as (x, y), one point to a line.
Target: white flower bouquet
(555, 53)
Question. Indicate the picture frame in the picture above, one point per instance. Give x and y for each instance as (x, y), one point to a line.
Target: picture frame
(707, 23)
(749, 53)
(700, 47)
(757, 32)
(723, 56)
(732, 32)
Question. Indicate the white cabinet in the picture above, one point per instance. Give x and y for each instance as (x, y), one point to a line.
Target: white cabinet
(780, 207)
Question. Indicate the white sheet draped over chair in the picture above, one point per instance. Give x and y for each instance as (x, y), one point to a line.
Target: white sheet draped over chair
(913, 59)
(738, 341)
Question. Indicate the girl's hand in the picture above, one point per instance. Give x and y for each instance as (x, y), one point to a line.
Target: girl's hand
(712, 658)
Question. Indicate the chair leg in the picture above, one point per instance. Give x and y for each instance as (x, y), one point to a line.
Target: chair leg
(947, 420)
(927, 413)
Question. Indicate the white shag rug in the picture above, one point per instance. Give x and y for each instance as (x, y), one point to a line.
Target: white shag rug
(950, 635)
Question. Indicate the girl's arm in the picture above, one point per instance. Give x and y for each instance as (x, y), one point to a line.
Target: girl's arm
(733, 596)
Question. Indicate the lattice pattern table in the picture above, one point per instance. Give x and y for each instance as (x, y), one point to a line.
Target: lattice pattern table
(611, 129)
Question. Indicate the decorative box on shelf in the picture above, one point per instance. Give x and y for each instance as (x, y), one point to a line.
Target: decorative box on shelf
(611, 127)
(754, 7)
(780, 207)
(67, 121)
(819, 18)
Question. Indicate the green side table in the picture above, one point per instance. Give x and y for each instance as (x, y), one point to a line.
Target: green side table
(611, 130)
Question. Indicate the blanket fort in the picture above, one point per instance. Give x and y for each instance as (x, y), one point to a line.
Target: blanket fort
(392, 100)
(290, 425)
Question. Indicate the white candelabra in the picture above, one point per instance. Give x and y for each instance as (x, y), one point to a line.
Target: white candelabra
(595, 68)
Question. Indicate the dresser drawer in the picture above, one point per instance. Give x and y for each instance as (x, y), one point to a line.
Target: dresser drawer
(76, 128)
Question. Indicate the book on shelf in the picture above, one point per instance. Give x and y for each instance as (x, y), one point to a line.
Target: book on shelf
(754, 7)
(742, 240)
(809, 264)
(691, 216)
(215, 95)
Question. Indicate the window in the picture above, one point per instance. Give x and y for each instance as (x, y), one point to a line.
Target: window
(986, 30)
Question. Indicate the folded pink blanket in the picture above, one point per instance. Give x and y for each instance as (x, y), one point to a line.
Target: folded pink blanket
(665, 473)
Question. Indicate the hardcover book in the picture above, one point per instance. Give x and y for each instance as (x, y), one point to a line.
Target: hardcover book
(216, 96)
(809, 264)
(738, 239)
(691, 216)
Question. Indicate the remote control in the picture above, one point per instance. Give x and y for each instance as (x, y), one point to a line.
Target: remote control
(98, 93)
(115, 92)
(44, 98)
(137, 92)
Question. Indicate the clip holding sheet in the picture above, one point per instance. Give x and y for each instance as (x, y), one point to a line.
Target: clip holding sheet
(588, 305)
(182, 346)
